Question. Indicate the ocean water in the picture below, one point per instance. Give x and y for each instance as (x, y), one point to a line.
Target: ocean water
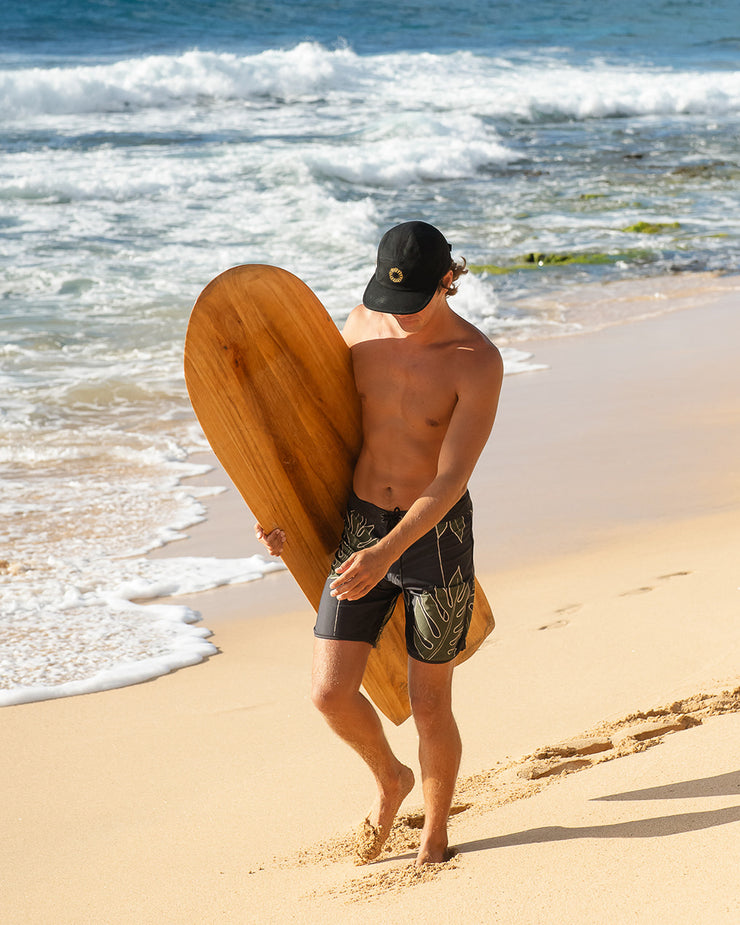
(144, 148)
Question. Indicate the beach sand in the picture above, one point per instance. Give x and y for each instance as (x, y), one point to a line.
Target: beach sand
(600, 721)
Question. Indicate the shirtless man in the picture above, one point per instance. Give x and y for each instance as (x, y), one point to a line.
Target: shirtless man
(429, 383)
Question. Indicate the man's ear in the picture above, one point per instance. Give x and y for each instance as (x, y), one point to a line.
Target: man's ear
(446, 280)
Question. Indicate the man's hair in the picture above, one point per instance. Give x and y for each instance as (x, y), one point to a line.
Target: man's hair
(457, 271)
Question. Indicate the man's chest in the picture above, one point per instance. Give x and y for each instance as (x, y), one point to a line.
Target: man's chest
(417, 386)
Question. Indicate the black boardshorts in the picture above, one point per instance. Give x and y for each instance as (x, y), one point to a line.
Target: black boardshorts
(435, 576)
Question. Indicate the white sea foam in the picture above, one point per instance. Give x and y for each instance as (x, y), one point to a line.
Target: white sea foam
(404, 150)
(309, 73)
(519, 361)
(74, 626)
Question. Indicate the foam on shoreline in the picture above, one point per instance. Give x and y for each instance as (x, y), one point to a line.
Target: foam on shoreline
(80, 637)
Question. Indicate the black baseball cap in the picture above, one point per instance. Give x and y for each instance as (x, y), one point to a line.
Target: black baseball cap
(412, 259)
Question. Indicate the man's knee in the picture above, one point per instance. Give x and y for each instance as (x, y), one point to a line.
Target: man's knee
(430, 712)
(330, 698)
(337, 674)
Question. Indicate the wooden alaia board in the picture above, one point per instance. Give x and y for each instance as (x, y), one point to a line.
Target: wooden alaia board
(270, 380)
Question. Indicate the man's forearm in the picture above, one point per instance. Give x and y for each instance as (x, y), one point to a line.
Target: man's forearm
(425, 513)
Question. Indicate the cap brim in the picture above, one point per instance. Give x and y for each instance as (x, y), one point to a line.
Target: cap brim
(395, 301)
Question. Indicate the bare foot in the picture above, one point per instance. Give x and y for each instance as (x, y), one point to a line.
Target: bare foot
(376, 827)
(433, 850)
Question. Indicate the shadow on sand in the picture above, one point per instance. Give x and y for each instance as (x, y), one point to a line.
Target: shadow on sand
(719, 785)
(655, 827)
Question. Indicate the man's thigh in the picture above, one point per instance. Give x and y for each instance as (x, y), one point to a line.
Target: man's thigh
(339, 664)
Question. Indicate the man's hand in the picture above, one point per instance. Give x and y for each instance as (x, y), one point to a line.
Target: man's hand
(360, 573)
(274, 541)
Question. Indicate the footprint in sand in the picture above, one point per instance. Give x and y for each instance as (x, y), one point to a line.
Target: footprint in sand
(561, 612)
(647, 588)
(416, 820)
(556, 624)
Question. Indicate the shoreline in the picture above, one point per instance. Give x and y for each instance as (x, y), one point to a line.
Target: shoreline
(615, 591)
(589, 307)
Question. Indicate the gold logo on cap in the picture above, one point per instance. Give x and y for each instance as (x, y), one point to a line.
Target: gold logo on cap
(395, 275)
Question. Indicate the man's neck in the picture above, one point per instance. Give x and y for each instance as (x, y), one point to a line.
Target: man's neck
(428, 325)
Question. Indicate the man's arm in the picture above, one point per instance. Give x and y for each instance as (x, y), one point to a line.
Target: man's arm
(467, 434)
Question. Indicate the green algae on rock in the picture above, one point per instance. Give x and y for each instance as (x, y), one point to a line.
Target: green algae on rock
(535, 260)
(653, 227)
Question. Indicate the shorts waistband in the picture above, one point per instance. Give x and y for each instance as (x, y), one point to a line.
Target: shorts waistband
(377, 514)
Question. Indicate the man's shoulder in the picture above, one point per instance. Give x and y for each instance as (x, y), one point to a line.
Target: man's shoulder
(355, 326)
(477, 353)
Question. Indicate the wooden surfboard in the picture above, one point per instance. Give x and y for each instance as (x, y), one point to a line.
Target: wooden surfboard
(270, 380)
